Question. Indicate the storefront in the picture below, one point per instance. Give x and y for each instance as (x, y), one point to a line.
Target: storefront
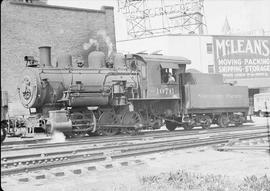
(244, 60)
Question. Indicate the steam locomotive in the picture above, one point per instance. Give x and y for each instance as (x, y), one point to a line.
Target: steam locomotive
(129, 93)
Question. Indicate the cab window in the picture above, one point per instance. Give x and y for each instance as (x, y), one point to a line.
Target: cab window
(168, 75)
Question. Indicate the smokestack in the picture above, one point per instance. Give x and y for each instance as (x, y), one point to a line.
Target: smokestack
(45, 56)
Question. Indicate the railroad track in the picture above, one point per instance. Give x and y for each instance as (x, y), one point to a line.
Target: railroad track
(26, 163)
(10, 144)
(102, 140)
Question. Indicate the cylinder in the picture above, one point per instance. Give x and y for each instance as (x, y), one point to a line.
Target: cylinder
(45, 56)
(59, 121)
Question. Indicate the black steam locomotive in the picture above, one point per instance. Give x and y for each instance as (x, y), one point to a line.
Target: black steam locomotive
(132, 92)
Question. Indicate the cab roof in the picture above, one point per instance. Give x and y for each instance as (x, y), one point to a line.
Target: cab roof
(160, 58)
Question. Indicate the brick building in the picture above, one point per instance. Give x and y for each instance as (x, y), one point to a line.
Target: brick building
(26, 25)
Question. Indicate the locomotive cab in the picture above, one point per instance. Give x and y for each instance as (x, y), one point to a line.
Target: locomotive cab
(160, 97)
(155, 71)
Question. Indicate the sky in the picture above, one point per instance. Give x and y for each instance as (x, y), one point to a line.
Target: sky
(242, 15)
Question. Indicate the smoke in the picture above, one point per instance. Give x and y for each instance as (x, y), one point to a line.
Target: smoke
(58, 137)
(101, 36)
(107, 41)
(92, 42)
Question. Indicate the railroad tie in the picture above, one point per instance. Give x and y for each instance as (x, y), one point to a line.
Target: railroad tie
(59, 174)
(108, 166)
(38, 177)
(91, 168)
(77, 171)
(124, 163)
(23, 179)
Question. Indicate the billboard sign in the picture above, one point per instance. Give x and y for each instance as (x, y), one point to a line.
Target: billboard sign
(242, 57)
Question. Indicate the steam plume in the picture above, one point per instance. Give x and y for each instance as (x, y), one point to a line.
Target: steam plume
(102, 35)
(107, 40)
(92, 42)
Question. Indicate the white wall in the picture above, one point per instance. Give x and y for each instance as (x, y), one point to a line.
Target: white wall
(146, 44)
(194, 48)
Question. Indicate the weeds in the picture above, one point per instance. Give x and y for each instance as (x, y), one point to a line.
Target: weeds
(255, 184)
(182, 180)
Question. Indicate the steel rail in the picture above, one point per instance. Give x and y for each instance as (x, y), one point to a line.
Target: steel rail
(143, 133)
(180, 146)
(41, 155)
(155, 135)
(89, 148)
(136, 150)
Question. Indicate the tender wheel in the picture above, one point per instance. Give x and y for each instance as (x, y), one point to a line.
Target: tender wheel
(205, 121)
(132, 118)
(187, 127)
(223, 121)
(156, 125)
(238, 124)
(171, 126)
(237, 120)
(108, 118)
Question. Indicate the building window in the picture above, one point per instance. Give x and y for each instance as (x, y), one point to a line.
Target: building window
(211, 69)
(209, 48)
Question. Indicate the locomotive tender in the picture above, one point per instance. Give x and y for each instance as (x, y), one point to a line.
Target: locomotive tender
(130, 93)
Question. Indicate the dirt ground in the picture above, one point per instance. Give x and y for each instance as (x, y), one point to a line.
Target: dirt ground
(204, 160)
